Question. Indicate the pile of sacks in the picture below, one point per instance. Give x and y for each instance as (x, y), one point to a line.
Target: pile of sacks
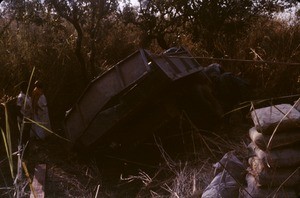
(275, 161)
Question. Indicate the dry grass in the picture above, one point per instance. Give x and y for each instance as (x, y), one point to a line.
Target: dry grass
(66, 175)
(69, 177)
(177, 178)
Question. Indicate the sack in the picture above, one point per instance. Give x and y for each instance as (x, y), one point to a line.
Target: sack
(266, 119)
(269, 177)
(253, 190)
(233, 165)
(222, 186)
(283, 157)
(230, 173)
(278, 140)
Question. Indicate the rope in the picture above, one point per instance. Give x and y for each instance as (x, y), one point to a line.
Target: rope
(238, 60)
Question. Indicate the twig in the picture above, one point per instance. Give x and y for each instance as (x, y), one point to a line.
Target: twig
(237, 60)
(97, 191)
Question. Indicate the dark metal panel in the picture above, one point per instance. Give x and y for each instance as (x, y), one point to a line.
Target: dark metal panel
(103, 122)
(144, 92)
(79, 125)
(144, 55)
(177, 66)
(133, 69)
(101, 90)
(98, 93)
(133, 83)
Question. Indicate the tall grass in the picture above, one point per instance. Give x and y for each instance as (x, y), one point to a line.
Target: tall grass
(7, 142)
(19, 184)
(6, 136)
(188, 177)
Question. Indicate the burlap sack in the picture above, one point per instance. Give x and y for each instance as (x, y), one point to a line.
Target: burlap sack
(253, 190)
(279, 139)
(266, 119)
(268, 177)
(277, 158)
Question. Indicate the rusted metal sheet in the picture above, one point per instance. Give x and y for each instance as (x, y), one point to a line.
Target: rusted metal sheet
(123, 90)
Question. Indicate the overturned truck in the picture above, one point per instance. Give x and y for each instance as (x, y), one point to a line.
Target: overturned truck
(137, 96)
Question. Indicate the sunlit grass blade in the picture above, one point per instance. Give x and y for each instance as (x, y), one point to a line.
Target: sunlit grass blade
(48, 130)
(7, 141)
(28, 87)
(6, 147)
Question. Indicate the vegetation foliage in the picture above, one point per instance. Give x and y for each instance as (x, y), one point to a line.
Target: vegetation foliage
(70, 42)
